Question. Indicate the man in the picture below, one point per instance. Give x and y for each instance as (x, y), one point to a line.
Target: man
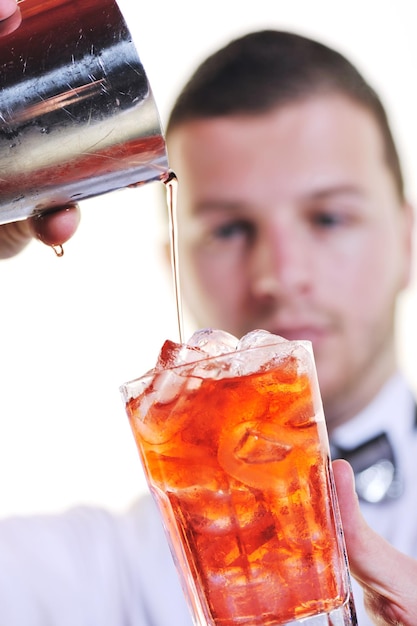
(293, 218)
(86, 567)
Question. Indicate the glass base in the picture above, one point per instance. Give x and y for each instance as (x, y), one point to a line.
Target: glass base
(343, 616)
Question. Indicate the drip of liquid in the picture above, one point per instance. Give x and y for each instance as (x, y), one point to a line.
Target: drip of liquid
(171, 183)
(58, 249)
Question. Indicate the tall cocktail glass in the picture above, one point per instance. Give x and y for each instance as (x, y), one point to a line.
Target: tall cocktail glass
(233, 442)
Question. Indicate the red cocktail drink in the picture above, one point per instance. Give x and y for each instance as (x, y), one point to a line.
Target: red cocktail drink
(236, 454)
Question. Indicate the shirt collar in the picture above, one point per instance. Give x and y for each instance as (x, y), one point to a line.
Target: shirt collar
(391, 411)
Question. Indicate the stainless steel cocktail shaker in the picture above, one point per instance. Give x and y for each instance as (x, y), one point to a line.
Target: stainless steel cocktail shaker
(77, 114)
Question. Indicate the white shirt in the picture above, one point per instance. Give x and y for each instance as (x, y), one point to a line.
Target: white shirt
(89, 568)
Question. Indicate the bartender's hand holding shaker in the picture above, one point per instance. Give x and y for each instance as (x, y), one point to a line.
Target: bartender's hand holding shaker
(77, 116)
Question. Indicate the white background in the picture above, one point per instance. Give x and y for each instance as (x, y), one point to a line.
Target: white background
(75, 328)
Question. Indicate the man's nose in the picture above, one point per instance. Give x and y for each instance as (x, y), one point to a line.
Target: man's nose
(280, 263)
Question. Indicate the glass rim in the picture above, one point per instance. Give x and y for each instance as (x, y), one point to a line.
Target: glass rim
(306, 344)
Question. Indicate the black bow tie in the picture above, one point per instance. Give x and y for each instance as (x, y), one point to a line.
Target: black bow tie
(374, 465)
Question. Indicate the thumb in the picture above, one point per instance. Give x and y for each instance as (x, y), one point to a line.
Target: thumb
(388, 577)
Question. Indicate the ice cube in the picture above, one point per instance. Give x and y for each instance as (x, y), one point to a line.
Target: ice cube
(254, 352)
(213, 342)
(257, 454)
(167, 355)
(167, 386)
(257, 338)
(173, 354)
(257, 447)
(208, 344)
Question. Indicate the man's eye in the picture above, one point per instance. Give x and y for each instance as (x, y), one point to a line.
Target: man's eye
(327, 219)
(233, 229)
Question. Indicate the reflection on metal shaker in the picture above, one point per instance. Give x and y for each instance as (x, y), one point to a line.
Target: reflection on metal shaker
(77, 114)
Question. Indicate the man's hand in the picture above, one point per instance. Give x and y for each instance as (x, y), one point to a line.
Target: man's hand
(388, 577)
(53, 229)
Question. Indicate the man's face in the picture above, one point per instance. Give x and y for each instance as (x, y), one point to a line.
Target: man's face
(290, 221)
